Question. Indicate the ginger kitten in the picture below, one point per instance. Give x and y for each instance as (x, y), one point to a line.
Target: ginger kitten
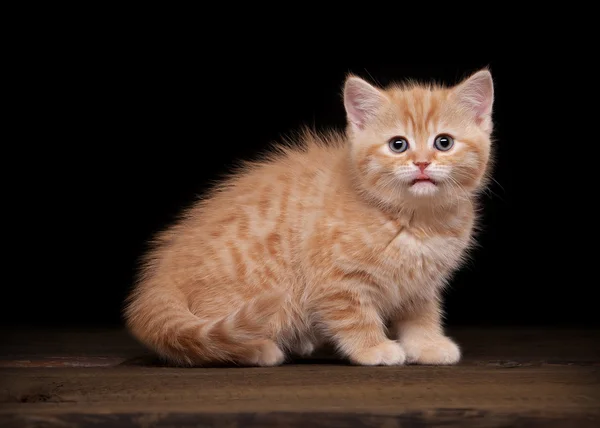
(332, 241)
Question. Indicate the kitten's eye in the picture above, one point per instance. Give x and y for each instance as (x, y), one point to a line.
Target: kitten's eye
(398, 144)
(443, 143)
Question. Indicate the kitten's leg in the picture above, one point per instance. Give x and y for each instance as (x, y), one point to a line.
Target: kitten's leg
(355, 327)
(421, 335)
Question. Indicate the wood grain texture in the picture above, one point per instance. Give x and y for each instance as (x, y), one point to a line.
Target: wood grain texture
(508, 378)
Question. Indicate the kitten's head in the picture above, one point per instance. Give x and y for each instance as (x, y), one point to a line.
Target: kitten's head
(420, 144)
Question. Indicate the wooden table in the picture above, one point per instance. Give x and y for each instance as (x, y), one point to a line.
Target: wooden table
(514, 377)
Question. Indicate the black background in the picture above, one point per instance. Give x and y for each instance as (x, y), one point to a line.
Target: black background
(113, 144)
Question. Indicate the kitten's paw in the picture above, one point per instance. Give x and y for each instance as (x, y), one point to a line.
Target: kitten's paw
(439, 350)
(388, 353)
(268, 354)
(305, 348)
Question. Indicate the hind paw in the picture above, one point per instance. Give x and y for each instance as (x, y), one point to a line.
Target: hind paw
(268, 354)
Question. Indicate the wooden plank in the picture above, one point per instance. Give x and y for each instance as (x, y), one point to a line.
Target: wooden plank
(508, 378)
(556, 390)
(61, 361)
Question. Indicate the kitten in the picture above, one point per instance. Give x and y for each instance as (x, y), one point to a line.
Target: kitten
(328, 242)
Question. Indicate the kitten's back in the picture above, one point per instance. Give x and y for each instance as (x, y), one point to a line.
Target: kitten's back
(214, 281)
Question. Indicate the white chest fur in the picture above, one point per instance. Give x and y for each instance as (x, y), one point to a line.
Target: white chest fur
(410, 257)
(407, 256)
(417, 258)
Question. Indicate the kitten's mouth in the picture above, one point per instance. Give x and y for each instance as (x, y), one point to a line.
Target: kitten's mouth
(422, 179)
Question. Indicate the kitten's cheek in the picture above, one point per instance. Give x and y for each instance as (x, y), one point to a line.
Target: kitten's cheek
(466, 177)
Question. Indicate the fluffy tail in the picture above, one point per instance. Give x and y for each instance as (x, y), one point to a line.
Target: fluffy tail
(163, 322)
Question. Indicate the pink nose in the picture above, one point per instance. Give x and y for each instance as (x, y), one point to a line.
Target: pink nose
(422, 165)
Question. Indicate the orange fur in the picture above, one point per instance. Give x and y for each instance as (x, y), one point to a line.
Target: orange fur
(327, 241)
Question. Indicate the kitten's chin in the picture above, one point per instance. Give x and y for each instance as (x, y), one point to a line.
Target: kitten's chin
(423, 189)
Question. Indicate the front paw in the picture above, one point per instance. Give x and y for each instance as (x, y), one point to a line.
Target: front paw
(388, 353)
(437, 350)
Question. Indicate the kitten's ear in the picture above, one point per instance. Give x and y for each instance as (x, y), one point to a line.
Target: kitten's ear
(476, 95)
(362, 101)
